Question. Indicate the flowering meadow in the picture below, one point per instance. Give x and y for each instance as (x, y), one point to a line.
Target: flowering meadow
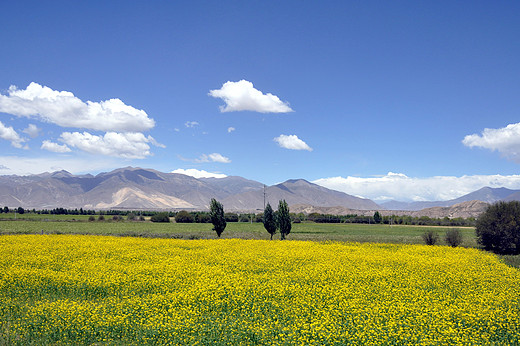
(73, 289)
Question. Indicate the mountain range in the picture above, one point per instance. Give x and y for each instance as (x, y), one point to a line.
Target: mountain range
(138, 188)
(485, 194)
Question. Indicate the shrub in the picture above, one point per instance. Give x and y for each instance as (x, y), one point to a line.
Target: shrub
(131, 217)
(91, 218)
(101, 218)
(184, 217)
(430, 237)
(117, 218)
(453, 237)
(498, 228)
(160, 217)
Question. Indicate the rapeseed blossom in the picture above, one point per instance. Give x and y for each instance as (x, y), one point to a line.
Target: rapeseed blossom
(108, 290)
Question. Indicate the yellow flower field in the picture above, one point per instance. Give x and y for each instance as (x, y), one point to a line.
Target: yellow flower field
(107, 290)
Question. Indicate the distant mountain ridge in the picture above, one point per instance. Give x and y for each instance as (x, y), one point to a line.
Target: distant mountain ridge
(138, 188)
(485, 194)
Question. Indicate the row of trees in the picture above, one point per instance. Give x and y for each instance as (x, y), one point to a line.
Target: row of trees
(279, 220)
(273, 221)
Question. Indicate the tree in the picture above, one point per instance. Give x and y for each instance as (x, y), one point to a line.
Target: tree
(216, 213)
(283, 219)
(269, 220)
(498, 228)
(160, 217)
(377, 217)
(184, 217)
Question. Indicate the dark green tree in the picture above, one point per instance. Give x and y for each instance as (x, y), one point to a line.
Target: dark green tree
(283, 219)
(216, 213)
(498, 228)
(20, 210)
(184, 217)
(377, 217)
(160, 217)
(269, 220)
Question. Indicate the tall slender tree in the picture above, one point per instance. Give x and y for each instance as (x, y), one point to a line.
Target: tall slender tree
(216, 213)
(269, 220)
(283, 219)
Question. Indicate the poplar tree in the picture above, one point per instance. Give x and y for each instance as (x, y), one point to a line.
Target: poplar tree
(283, 219)
(269, 220)
(216, 213)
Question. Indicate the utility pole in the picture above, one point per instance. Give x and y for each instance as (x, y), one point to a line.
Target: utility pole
(264, 196)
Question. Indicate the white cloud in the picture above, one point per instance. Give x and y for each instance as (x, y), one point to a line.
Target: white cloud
(230, 129)
(26, 165)
(196, 173)
(191, 123)
(242, 96)
(403, 188)
(9, 134)
(32, 130)
(64, 109)
(215, 157)
(291, 142)
(129, 145)
(505, 140)
(55, 147)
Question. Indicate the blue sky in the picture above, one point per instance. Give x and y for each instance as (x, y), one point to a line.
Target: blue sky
(378, 99)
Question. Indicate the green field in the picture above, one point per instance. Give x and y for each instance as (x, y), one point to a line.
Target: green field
(300, 231)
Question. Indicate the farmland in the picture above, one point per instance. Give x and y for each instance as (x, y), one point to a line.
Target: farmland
(66, 224)
(84, 290)
(168, 283)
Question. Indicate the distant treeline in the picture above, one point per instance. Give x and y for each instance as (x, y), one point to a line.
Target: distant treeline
(203, 217)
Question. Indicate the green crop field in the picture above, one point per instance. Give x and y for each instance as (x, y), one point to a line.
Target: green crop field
(300, 231)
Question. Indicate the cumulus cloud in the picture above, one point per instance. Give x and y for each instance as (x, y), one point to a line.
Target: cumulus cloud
(291, 142)
(9, 134)
(191, 124)
(196, 173)
(32, 130)
(242, 96)
(400, 187)
(215, 157)
(55, 147)
(129, 145)
(230, 129)
(505, 140)
(66, 110)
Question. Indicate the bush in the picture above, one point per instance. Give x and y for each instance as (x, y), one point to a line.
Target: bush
(101, 218)
(160, 217)
(91, 218)
(430, 237)
(453, 237)
(498, 228)
(131, 217)
(117, 218)
(184, 217)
